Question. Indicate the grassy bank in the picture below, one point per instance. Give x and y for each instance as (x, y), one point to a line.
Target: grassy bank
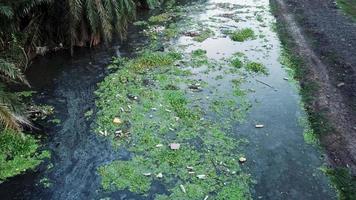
(341, 178)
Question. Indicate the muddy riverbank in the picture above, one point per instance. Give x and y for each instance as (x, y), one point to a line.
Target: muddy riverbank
(325, 38)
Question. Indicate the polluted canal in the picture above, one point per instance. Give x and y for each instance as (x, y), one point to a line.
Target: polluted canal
(202, 107)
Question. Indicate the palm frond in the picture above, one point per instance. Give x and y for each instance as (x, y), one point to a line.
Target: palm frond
(11, 72)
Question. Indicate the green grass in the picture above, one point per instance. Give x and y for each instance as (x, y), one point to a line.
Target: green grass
(18, 153)
(242, 35)
(348, 6)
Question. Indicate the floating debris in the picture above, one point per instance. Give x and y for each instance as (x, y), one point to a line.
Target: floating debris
(159, 145)
(147, 174)
(340, 84)
(206, 197)
(191, 34)
(182, 188)
(132, 97)
(159, 175)
(174, 146)
(242, 159)
(190, 168)
(117, 121)
(201, 176)
(259, 126)
(285, 78)
(105, 133)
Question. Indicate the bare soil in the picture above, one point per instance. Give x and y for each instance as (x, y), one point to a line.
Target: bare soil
(326, 40)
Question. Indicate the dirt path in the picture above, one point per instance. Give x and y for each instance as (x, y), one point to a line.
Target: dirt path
(331, 33)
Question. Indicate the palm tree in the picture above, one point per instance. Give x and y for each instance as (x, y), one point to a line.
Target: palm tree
(93, 21)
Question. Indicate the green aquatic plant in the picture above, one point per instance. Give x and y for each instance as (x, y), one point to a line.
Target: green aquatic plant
(256, 68)
(242, 35)
(125, 175)
(203, 35)
(153, 59)
(18, 153)
(161, 18)
(236, 62)
(198, 53)
(163, 115)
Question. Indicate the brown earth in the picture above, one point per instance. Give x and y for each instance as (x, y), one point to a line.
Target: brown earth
(326, 40)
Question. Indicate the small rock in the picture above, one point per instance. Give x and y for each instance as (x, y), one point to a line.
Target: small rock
(182, 188)
(147, 174)
(159, 175)
(117, 120)
(340, 84)
(153, 109)
(285, 78)
(191, 172)
(201, 176)
(242, 159)
(151, 116)
(174, 146)
(259, 126)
